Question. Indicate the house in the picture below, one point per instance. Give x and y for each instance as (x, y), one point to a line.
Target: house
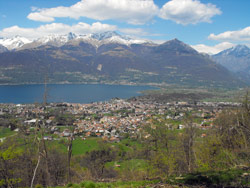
(47, 138)
(31, 122)
(203, 135)
(180, 126)
(114, 139)
(67, 133)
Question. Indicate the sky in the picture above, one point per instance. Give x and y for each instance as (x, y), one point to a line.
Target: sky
(209, 26)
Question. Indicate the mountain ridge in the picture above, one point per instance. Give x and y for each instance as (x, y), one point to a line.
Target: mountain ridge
(237, 60)
(104, 59)
(20, 43)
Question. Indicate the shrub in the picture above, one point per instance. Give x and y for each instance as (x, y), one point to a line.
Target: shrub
(88, 184)
(38, 186)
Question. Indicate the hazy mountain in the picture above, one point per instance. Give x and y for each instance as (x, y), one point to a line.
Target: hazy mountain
(111, 58)
(3, 49)
(236, 59)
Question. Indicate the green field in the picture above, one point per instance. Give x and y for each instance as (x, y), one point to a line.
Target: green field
(5, 132)
(82, 146)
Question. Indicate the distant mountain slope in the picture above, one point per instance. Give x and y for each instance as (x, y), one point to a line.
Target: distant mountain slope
(96, 39)
(14, 43)
(3, 49)
(237, 60)
(112, 58)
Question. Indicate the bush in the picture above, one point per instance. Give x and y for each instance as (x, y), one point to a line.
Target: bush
(38, 186)
(69, 185)
(88, 184)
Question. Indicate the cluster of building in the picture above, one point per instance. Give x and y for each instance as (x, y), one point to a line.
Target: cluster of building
(111, 120)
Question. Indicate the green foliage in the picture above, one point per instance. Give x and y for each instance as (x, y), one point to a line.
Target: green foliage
(38, 186)
(231, 177)
(117, 184)
(10, 181)
(10, 153)
(5, 132)
(88, 184)
(69, 185)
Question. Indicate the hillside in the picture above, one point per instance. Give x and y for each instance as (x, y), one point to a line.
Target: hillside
(237, 60)
(112, 58)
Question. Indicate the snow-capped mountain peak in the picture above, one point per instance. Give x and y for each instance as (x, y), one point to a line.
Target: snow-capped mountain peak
(71, 36)
(56, 40)
(14, 43)
(105, 35)
(95, 39)
(241, 49)
(238, 51)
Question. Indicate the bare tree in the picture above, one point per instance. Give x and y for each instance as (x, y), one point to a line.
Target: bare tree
(188, 141)
(69, 150)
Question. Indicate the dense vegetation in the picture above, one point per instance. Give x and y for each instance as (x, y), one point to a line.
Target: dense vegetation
(219, 156)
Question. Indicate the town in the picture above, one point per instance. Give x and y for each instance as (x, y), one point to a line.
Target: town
(111, 120)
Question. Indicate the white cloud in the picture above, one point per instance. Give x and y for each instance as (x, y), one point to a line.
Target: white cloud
(56, 28)
(134, 31)
(240, 35)
(212, 49)
(42, 18)
(130, 11)
(188, 11)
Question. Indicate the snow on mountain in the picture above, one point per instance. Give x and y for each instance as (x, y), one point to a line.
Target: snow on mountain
(236, 59)
(237, 51)
(122, 40)
(14, 43)
(105, 35)
(56, 40)
(3, 49)
(95, 39)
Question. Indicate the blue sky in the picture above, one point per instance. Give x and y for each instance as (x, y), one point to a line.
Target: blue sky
(208, 25)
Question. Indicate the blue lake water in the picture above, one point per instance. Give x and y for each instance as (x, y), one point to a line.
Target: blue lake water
(72, 93)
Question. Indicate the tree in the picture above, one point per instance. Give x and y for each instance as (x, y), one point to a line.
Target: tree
(95, 161)
(9, 154)
(42, 154)
(69, 150)
(188, 141)
(232, 127)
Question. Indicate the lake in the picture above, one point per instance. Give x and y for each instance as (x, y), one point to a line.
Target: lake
(72, 93)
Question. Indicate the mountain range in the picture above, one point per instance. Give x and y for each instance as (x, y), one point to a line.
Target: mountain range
(237, 60)
(96, 39)
(108, 58)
